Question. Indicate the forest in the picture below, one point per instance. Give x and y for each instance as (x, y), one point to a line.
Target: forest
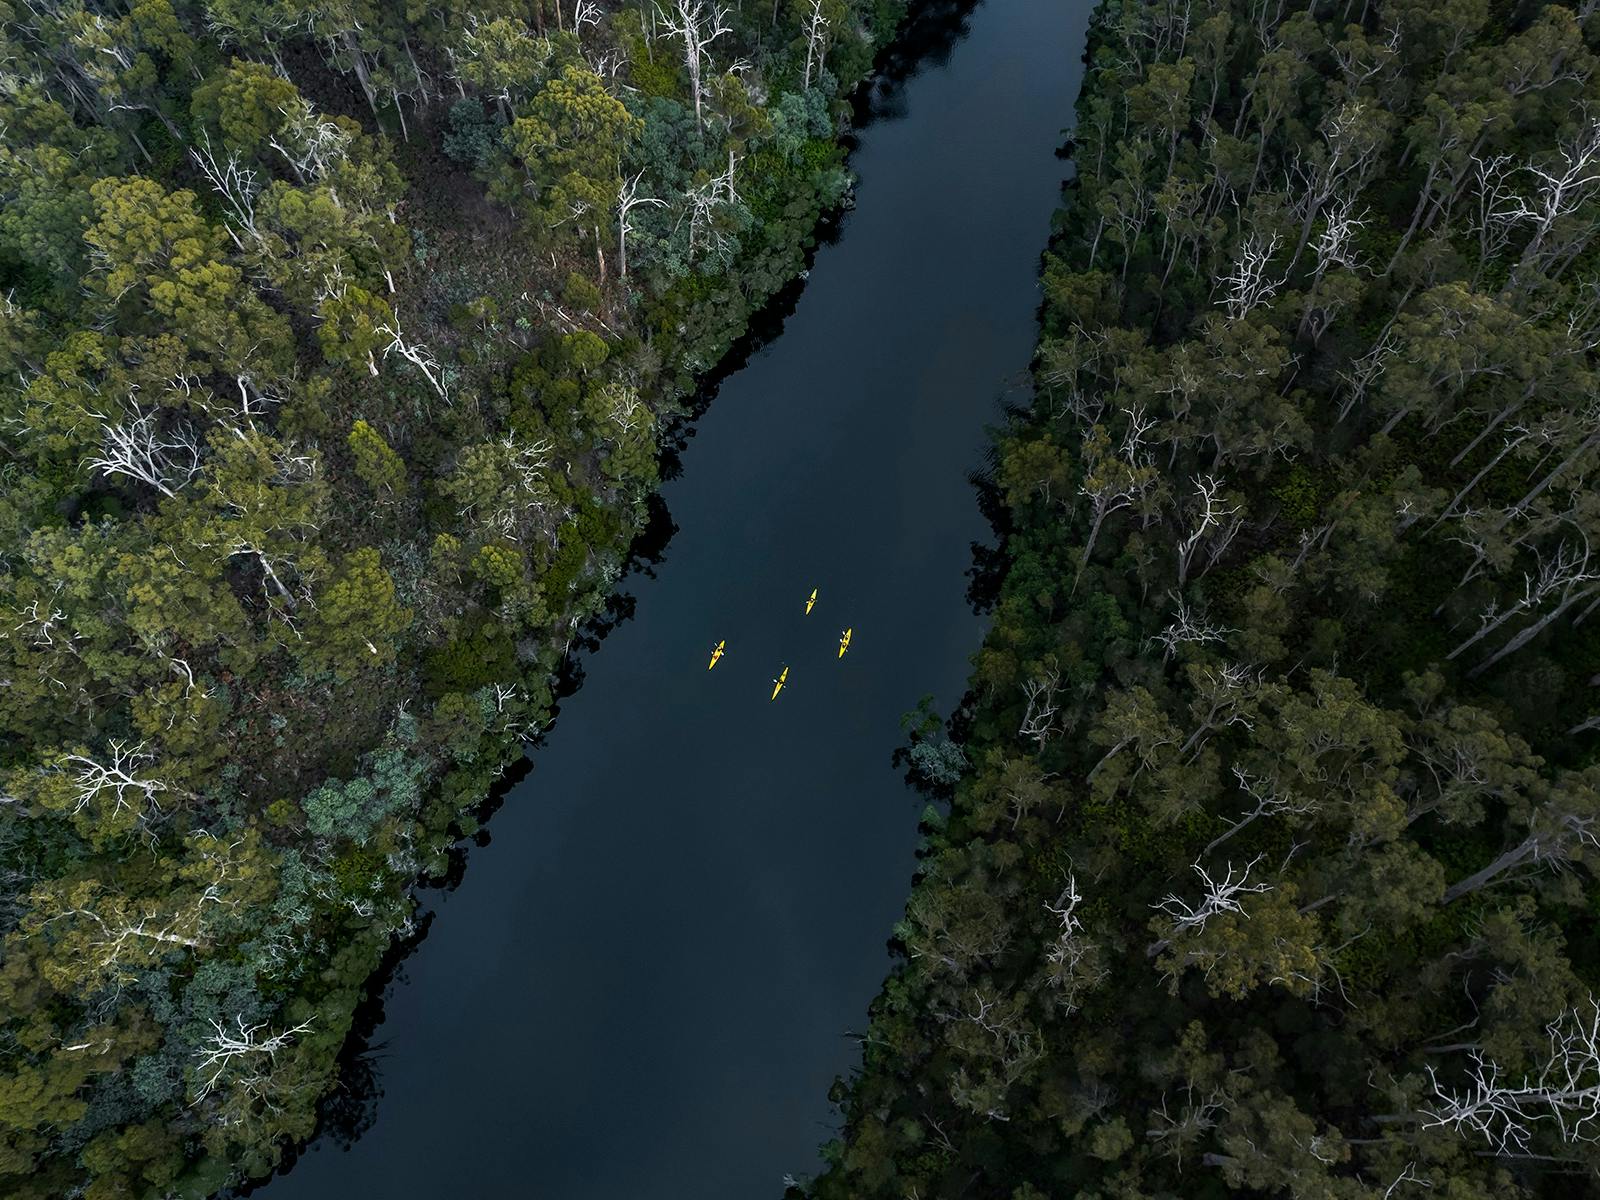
(339, 342)
(1261, 856)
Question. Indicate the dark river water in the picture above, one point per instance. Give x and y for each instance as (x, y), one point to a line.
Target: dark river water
(644, 985)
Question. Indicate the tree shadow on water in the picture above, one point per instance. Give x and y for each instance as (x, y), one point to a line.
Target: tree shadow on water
(925, 39)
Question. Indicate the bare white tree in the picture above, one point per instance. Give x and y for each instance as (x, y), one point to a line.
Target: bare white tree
(311, 144)
(124, 942)
(1366, 371)
(121, 775)
(628, 199)
(1565, 1090)
(606, 64)
(1039, 722)
(1516, 434)
(137, 448)
(40, 618)
(1173, 1133)
(1269, 802)
(1246, 285)
(1072, 961)
(1558, 831)
(816, 40)
(245, 1048)
(1217, 513)
(1334, 246)
(1409, 1175)
(1560, 188)
(1220, 896)
(628, 412)
(1114, 480)
(522, 493)
(1223, 695)
(1574, 428)
(702, 205)
(528, 460)
(273, 568)
(416, 354)
(503, 694)
(1352, 138)
(1010, 1045)
(182, 669)
(509, 703)
(335, 286)
(1187, 627)
(1066, 907)
(585, 14)
(1496, 208)
(1567, 575)
(253, 402)
(236, 184)
(696, 25)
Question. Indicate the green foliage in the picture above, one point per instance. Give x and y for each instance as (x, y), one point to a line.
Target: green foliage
(302, 433)
(378, 466)
(569, 145)
(474, 136)
(592, 528)
(1267, 867)
(354, 808)
(358, 618)
(486, 654)
(655, 74)
(580, 294)
(940, 762)
(248, 104)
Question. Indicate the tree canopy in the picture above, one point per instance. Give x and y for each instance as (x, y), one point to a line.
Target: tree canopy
(1268, 860)
(336, 344)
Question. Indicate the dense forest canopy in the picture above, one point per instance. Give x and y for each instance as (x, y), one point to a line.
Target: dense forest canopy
(1269, 862)
(337, 341)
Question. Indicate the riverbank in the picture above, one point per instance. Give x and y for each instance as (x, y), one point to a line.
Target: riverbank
(1253, 881)
(408, 421)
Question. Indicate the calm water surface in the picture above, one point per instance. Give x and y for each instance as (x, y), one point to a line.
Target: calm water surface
(643, 987)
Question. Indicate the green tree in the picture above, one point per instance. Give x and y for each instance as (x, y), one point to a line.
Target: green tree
(379, 467)
(569, 144)
(357, 619)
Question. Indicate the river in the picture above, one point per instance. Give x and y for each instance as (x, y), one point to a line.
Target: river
(644, 985)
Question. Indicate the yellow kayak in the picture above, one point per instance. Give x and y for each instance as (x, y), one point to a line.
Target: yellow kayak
(777, 684)
(716, 654)
(810, 601)
(844, 642)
